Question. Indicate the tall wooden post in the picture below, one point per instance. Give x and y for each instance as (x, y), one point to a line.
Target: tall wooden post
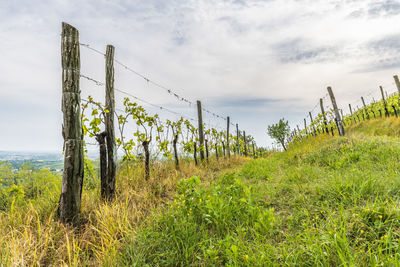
(206, 141)
(109, 126)
(237, 137)
(351, 111)
(337, 115)
(254, 151)
(396, 80)
(323, 115)
(383, 95)
(101, 139)
(245, 143)
(201, 132)
(228, 152)
(365, 107)
(362, 99)
(72, 181)
(305, 126)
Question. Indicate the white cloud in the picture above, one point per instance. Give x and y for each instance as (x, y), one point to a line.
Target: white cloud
(209, 50)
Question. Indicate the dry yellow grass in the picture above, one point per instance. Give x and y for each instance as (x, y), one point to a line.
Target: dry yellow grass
(32, 236)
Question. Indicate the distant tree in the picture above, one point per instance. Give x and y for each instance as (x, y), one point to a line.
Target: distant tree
(279, 131)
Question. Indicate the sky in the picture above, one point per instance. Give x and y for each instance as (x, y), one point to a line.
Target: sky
(254, 60)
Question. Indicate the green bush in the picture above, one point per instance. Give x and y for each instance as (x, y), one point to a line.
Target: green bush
(205, 225)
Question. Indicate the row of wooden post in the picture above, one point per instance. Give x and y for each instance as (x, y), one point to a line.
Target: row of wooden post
(226, 146)
(339, 117)
(72, 180)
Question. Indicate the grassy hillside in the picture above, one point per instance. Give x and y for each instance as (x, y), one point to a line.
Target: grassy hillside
(326, 201)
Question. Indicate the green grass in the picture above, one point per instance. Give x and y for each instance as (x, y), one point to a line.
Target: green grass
(327, 201)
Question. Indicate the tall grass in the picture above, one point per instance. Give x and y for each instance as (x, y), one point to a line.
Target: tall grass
(32, 236)
(327, 201)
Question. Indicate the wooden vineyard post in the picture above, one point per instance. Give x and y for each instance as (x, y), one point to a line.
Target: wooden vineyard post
(101, 139)
(323, 115)
(174, 142)
(396, 80)
(384, 101)
(305, 126)
(351, 113)
(365, 108)
(72, 180)
(201, 133)
(195, 152)
(245, 143)
(109, 190)
(337, 115)
(311, 119)
(206, 141)
(254, 151)
(238, 140)
(227, 137)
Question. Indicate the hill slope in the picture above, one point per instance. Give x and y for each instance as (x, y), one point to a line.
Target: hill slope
(326, 201)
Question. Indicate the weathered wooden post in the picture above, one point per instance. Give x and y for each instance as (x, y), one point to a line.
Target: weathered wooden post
(245, 143)
(324, 115)
(195, 152)
(384, 101)
(254, 151)
(238, 139)
(109, 126)
(311, 119)
(365, 108)
(305, 126)
(176, 157)
(201, 133)
(396, 80)
(216, 151)
(351, 111)
(101, 139)
(337, 115)
(228, 152)
(72, 180)
(206, 149)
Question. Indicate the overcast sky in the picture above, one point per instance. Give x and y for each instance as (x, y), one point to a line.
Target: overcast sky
(256, 61)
